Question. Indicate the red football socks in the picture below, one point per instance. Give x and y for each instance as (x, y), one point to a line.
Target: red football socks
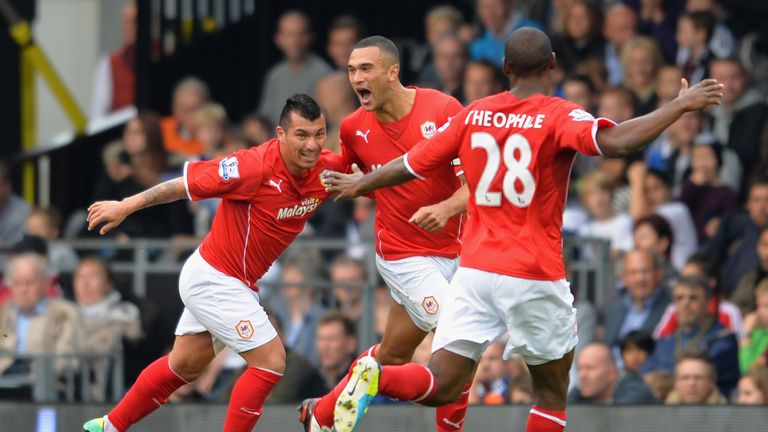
(150, 391)
(450, 418)
(325, 406)
(247, 398)
(409, 382)
(543, 420)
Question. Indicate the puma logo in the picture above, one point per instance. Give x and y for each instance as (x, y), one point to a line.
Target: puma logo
(247, 411)
(276, 185)
(455, 425)
(364, 135)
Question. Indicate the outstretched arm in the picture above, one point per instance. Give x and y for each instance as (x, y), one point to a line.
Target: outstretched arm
(434, 217)
(353, 185)
(112, 213)
(631, 135)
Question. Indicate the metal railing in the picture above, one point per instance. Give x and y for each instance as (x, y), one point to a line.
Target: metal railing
(94, 374)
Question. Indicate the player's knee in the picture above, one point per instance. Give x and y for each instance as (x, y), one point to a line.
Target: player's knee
(276, 360)
(188, 367)
(390, 358)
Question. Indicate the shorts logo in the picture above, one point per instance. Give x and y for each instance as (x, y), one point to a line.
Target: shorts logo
(244, 329)
(228, 169)
(430, 305)
(428, 129)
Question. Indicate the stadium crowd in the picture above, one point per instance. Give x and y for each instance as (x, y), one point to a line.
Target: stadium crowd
(687, 219)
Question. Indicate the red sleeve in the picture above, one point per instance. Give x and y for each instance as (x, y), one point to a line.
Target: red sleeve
(347, 154)
(438, 151)
(237, 177)
(452, 107)
(576, 129)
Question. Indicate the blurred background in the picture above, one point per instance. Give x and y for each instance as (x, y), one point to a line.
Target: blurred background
(667, 249)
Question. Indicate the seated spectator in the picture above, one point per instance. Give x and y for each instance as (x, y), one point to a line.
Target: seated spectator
(482, 78)
(499, 18)
(449, 60)
(594, 69)
(211, 130)
(581, 91)
(651, 193)
(670, 153)
(653, 233)
(697, 330)
(641, 60)
(636, 348)
(179, 129)
(643, 299)
(753, 388)
(601, 383)
(744, 295)
(13, 210)
(439, 23)
(45, 223)
(32, 323)
(596, 193)
(348, 277)
(337, 99)
(728, 314)
(695, 382)
(617, 103)
(660, 383)
(740, 120)
(300, 70)
(490, 387)
(117, 163)
(753, 350)
(300, 310)
(256, 129)
(668, 83)
(735, 243)
(694, 30)
(114, 83)
(30, 244)
(582, 38)
(343, 34)
(707, 199)
(620, 25)
(336, 345)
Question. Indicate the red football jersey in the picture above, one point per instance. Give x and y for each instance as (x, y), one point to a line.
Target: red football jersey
(263, 208)
(371, 144)
(517, 157)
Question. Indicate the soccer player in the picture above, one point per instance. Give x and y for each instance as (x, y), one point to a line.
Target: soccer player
(516, 149)
(268, 193)
(417, 225)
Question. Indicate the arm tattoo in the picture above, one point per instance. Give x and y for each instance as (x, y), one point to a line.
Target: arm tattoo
(169, 191)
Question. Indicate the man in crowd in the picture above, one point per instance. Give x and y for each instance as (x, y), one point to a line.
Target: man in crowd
(179, 129)
(336, 343)
(695, 382)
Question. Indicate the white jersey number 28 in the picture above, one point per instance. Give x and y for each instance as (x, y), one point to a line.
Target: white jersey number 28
(517, 169)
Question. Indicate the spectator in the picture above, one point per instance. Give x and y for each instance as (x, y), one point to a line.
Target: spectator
(256, 129)
(694, 30)
(594, 69)
(707, 199)
(617, 103)
(636, 348)
(301, 69)
(521, 391)
(32, 323)
(660, 383)
(706, 267)
(489, 386)
(643, 299)
(580, 90)
(179, 129)
(744, 295)
(336, 344)
(13, 210)
(697, 331)
(722, 43)
(114, 83)
(596, 193)
(642, 60)
(653, 233)
(439, 23)
(670, 153)
(499, 18)
(300, 309)
(620, 26)
(658, 19)
(735, 242)
(583, 35)
(481, 78)
(651, 193)
(753, 349)
(211, 129)
(695, 382)
(449, 61)
(601, 383)
(753, 388)
(742, 116)
(45, 223)
(31, 244)
(668, 83)
(343, 34)
(337, 100)
(348, 277)
(117, 163)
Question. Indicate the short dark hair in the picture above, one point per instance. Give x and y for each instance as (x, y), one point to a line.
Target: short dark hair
(652, 172)
(350, 330)
(694, 282)
(707, 263)
(343, 22)
(758, 181)
(695, 353)
(638, 339)
(583, 79)
(662, 228)
(301, 104)
(100, 262)
(383, 44)
(527, 52)
(343, 259)
(496, 72)
(702, 20)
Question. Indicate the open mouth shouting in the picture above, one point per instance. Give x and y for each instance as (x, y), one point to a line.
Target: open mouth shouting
(364, 95)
